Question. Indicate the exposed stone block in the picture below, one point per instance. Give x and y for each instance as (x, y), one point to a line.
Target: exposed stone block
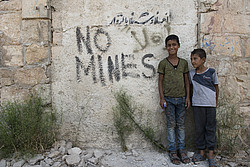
(57, 20)
(56, 52)
(224, 67)
(10, 26)
(223, 45)
(36, 9)
(231, 67)
(211, 61)
(244, 82)
(44, 91)
(13, 56)
(211, 22)
(57, 38)
(237, 23)
(231, 88)
(13, 5)
(30, 77)
(246, 112)
(36, 54)
(11, 93)
(247, 6)
(247, 47)
(6, 82)
(6, 76)
(236, 6)
(205, 5)
(219, 5)
(35, 31)
(241, 67)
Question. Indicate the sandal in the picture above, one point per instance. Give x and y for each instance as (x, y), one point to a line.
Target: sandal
(198, 157)
(212, 163)
(174, 158)
(182, 154)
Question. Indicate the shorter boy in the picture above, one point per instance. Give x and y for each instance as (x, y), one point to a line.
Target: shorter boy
(204, 101)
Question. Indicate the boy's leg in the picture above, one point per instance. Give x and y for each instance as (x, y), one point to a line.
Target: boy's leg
(180, 123)
(211, 160)
(210, 154)
(200, 124)
(170, 115)
(210, 134)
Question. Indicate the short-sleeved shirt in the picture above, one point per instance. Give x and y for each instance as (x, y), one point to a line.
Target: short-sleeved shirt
(204, 92)
(173, 81)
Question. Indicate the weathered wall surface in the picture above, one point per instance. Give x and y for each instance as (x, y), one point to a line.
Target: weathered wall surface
(98, 47)
(108, 45)
(224, 33)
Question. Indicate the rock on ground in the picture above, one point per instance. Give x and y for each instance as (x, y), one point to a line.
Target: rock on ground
(64, 155)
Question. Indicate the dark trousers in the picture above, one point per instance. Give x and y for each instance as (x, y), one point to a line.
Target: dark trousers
(205, 127)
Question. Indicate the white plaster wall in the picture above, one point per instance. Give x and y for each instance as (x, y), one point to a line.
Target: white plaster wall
(86, 103)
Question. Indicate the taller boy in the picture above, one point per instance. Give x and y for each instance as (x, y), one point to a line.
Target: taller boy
(173, 85)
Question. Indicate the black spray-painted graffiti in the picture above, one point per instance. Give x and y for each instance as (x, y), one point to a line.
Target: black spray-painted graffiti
(86, 40)
(144, 18)
(117, 69)
(148, 65)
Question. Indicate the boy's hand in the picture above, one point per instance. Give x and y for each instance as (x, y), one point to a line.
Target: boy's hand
(187, 103)
(162, 103)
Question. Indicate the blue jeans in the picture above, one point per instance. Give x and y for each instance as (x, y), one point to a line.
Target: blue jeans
(175, 113)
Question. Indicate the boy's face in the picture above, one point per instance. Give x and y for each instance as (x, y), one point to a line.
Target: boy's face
(172, 47)
(197, 61)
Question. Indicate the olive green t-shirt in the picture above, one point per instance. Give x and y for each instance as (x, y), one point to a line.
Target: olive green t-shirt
(173, 80)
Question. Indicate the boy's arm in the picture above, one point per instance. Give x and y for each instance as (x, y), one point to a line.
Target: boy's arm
(160, 88)
(191, 93)
(217, 93)
(187, 86)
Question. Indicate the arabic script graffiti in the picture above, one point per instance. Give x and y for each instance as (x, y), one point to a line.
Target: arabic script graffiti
(144, 18)
(224, 45)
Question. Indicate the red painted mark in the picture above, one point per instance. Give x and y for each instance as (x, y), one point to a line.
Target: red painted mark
(211, 23)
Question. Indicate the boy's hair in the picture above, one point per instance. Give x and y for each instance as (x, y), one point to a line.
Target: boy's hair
(172, 37)
(200, 52)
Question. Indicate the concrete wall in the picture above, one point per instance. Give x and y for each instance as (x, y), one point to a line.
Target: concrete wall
(78, 53)
(106, 46)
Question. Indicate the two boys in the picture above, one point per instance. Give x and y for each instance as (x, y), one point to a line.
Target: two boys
(174, 88)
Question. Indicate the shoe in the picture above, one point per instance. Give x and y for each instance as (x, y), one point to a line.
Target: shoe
(174, 158)
(198, 157)
(212, 163)
(182, 154)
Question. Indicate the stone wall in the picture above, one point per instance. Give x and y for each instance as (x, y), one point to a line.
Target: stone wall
(224, 33)
(25, 49)
(78, 53)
